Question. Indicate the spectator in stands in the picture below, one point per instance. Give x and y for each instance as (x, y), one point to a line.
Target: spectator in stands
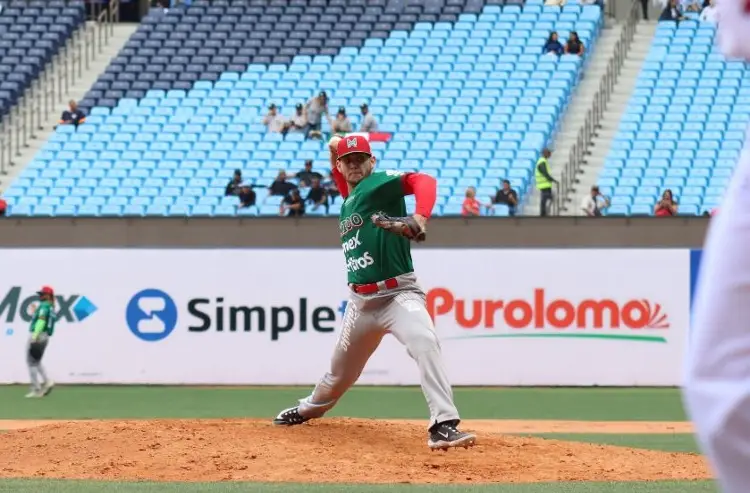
(369, 123)
(553, 45)
(342, 124)
(574, 46)
(672, 12)
(298, 122)
(292, 204)
(544, 181)
(317, 195)
(471, 205)
(554, 3)
(690, 5)
(280, 186)
(273, 120)
(73, 115)
(3, 207)
(332, 190)
(506, 195)
(233, 187)
(247, 195)
(709, 13)
(593, 204)
(667, 206)
(314, 111)
(307, 175)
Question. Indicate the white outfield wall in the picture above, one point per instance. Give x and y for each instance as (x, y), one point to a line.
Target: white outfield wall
(504, 317)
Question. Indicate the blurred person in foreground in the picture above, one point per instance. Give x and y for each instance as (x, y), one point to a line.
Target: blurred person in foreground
(3, 207)
(42, 327)
(716, 385)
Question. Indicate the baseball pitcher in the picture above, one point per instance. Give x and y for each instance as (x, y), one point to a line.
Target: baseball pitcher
(717, 377)
(385, 297)
(42, 327)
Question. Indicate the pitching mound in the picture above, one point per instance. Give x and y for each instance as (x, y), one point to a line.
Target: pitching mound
(330, 450)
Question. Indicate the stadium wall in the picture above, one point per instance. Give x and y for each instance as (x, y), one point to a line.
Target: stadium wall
(444, 232)
(573, 317)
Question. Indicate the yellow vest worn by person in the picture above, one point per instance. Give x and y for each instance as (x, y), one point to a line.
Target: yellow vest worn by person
(542, 183)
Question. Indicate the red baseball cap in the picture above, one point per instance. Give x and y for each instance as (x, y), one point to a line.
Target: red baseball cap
(46, 290)
(353, 144)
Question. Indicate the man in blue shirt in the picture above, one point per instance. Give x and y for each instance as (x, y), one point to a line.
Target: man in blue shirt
(73, 115)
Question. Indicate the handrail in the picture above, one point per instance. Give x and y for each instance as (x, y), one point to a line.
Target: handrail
(595, 114)
(42, 99)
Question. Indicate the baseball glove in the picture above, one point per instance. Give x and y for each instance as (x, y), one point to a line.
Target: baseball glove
(408, 227)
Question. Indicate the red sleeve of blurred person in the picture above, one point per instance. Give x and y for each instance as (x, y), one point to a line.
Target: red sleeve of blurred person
(3, 206)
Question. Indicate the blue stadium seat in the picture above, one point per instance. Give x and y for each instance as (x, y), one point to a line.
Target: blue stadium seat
(470, 100)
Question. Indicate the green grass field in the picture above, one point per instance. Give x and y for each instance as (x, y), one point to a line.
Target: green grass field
(604, 404)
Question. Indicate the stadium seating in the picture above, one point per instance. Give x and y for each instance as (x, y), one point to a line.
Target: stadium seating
(471, 102)
(31, 33)
(683, 128)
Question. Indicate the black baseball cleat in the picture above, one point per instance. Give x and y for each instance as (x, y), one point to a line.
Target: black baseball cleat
(289, 417)
(445, 435)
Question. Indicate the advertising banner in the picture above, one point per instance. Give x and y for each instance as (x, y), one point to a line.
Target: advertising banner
(262, 316)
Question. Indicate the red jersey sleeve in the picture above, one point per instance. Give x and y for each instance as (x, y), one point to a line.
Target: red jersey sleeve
(424, 189)
(338, 178)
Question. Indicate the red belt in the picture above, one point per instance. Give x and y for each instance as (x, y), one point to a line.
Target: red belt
(374, 287)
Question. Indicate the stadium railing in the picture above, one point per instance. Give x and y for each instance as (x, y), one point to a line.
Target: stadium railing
(47, 92)
(594, 115)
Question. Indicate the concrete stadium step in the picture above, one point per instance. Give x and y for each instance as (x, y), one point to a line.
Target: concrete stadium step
(109, 49)
(575, 114)
(602, 140)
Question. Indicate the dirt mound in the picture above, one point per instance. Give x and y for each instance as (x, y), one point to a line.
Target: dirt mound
(329, 450)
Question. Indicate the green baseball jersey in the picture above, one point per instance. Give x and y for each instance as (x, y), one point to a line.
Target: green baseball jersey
(44, 313)
(373, 254)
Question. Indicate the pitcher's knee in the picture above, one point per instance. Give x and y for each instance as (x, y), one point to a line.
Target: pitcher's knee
(423, 341)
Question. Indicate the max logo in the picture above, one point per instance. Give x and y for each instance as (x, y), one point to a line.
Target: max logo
(353, 142)
(73, 308)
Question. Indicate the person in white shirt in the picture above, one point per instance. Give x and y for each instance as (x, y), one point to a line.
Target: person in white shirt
(273, 120)
(710, 14)
(716, 385)
(595, 203)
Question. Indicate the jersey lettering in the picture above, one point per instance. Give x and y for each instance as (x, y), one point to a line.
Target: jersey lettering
(350, 223)
(352, 243)
(357, 263)
(371, 253)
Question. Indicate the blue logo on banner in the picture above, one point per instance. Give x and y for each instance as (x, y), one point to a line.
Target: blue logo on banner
(151, 315)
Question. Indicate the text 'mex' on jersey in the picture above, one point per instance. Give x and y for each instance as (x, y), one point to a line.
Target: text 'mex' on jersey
(373, 254)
